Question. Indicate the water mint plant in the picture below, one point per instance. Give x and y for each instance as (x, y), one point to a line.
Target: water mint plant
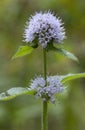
(46, 30)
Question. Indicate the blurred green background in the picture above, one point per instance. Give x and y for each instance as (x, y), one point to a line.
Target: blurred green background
(24, 112)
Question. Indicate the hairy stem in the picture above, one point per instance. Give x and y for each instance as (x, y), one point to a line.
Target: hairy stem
(44, 116)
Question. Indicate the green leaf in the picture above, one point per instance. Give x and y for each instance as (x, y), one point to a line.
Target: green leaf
(72, 76)
(14, 92)
(22, 51)
(68, 54)
(63, 52)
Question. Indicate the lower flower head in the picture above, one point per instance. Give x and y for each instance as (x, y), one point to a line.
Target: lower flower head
(47, 92)
(44, 27)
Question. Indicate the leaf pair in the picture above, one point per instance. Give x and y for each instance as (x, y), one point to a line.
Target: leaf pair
(24, 50)
(17, 91)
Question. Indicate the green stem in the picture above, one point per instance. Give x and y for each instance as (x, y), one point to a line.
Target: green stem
(44, 120)
(44, 116)
(45, 62)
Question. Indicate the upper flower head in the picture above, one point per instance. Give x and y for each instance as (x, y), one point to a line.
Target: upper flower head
(44, 27)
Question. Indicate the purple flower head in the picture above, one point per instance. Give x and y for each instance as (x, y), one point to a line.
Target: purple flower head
(44, 27)
(46, 92)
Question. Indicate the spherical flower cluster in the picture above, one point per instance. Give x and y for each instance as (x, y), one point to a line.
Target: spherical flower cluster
(44, 27)
(46, 92)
